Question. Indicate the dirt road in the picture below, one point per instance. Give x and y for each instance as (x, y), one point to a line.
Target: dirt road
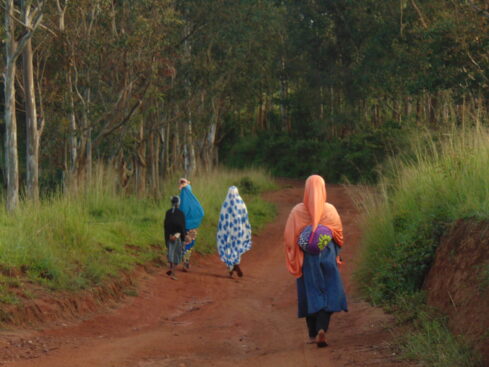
(206, 319)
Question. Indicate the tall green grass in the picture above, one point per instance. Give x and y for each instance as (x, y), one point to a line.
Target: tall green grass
(74, 240)
(442, 179)
(432, 343)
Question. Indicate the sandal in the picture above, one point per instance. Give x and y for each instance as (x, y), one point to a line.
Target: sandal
(321, 339)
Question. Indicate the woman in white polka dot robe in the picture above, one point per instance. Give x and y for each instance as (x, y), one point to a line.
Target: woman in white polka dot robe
(234, 231)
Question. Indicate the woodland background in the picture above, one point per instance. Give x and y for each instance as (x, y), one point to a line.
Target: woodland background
(155, 87)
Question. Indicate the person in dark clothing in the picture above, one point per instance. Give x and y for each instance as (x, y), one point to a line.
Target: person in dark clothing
(174, 230)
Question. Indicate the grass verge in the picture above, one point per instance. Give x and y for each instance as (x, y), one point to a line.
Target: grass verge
(443, 179)
(73, 241)
(428, 339)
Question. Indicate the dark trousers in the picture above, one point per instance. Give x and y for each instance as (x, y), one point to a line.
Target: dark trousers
(318, 321)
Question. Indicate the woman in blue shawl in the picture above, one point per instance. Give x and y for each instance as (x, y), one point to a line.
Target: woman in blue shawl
(234, 231)
(194, 213)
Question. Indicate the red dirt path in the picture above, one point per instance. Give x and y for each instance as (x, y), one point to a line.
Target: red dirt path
(207, 319)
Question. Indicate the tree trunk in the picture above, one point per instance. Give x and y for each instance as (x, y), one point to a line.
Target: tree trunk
(175, 158)
(418, 109)
(165, 150)
(89, 162)
(332, 101)
(209, 146)
(156, 164)
(61, 14)
(259, 123)
(84, 163)
(73, 129)
(32, 131)
(284, 91)
(189, 150)
(463, 111)
(409, 107)
(153, 160)
(140, 162)
(210, 139)
(432, 105)
(11, 157)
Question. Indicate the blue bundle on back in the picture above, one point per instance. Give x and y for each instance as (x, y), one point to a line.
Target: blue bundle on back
(191, 208)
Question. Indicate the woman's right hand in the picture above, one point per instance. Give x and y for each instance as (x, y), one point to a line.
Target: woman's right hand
(339, 261)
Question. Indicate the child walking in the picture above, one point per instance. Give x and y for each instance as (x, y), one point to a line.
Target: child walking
(174, 230)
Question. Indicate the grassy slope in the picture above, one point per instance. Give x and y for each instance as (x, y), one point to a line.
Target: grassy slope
(75, 241)
(443, 180)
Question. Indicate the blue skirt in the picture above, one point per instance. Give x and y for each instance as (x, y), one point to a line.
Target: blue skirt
(320, 286)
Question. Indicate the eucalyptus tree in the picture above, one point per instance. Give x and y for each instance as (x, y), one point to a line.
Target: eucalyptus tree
(31, 18)
(115, 53)
(14, 47)
(233, 66)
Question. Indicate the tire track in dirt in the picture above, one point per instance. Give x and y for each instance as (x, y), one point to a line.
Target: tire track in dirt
(207, 319)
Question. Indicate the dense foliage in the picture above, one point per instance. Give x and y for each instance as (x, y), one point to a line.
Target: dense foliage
(357, 157)
(157, 87)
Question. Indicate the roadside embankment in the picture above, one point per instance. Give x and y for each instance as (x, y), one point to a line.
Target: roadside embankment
(412, 223)
(458, 282)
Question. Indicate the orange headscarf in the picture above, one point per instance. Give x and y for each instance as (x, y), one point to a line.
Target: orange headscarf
(314, 210)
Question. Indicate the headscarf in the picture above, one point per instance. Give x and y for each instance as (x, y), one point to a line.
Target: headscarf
(313, 210)
(175, 202)
(191, 208)
(234, 230)
(183, 182)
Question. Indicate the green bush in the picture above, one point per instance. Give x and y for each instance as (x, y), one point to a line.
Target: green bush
(355, 157)
(247, 186)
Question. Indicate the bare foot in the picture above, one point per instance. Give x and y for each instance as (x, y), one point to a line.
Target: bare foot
(321, 339)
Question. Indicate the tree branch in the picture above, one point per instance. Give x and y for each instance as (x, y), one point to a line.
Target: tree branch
(115, 127)
(27, 36)
(107, 129)
(420, 14)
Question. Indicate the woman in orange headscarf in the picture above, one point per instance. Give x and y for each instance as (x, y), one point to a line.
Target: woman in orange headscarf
(313, 239)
